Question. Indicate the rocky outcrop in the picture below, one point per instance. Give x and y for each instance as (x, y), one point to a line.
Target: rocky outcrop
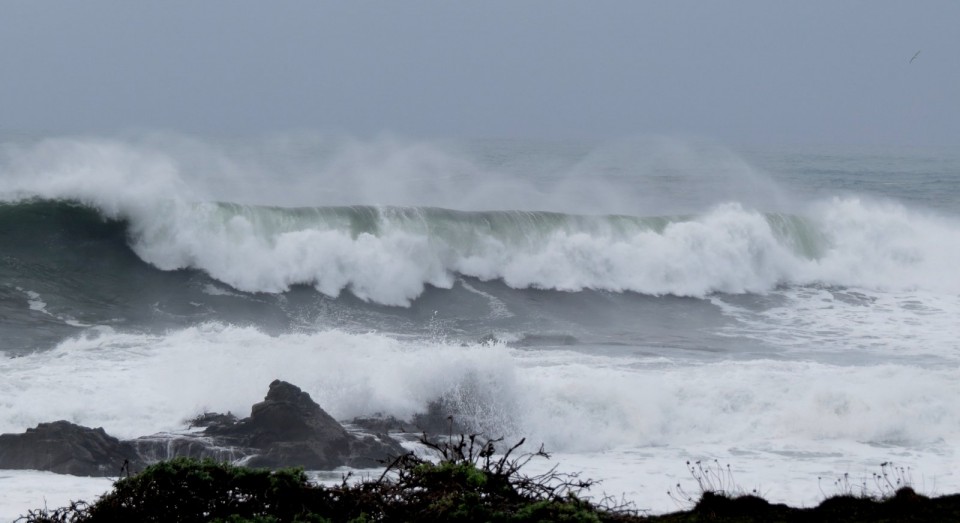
(286, 429)
(164, 446)
(437, 420)
(67, 448)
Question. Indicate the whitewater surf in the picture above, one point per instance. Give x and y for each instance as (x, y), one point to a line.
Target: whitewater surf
(632, 306)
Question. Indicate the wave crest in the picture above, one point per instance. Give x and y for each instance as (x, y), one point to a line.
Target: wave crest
(388, 255)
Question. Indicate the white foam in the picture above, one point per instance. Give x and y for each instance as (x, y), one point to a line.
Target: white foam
(761, 415)
(603, 415)
(854, 326)
(726, 248)
(24, 490)
(498, 309)
(884, 246)
(214, 290)
(135, 384)
(35, 303)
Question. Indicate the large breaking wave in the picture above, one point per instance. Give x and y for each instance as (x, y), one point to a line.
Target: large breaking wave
(390, 254)
(827, 341)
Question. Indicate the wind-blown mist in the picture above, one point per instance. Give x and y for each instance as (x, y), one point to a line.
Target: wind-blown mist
(179, 215)
(647, 300)
(634, 177)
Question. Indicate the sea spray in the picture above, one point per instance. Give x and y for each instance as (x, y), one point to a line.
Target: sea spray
(569, 400)
(390, 255)
(631, 306)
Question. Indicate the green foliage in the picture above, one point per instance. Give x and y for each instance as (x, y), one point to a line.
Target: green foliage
(188, 490)
(573, 511)
(467, 484)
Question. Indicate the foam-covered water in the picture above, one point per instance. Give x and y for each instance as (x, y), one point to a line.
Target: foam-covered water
(631, 306)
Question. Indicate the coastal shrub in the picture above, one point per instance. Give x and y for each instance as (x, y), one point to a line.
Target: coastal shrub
(711, 479)
(881, 485)
(189, 490)
(469, 482)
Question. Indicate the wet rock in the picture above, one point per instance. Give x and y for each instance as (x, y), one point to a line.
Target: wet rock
(289, 429)
(165, 446)
(286, 429)
(438, 420)
(381, 424)
(208, 419)
(67, 448)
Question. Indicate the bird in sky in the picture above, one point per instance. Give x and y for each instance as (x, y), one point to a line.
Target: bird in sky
(914, 57)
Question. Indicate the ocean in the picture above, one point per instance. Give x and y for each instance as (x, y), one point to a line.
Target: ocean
(633, 305)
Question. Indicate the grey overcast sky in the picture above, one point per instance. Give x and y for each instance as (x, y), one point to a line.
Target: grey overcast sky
(764, 71)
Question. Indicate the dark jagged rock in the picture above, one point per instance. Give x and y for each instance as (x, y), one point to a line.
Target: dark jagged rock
(289, 429)
(437, 420)
(164, 446)
(67, 448)
(286, 414)
(208, 419)
(381, 424)
(286, 429)
(161, 447)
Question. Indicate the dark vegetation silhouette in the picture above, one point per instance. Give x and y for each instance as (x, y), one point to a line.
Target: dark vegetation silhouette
(469, 481)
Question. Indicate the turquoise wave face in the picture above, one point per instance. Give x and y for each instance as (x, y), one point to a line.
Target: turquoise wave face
(390, 255)
(269, 249)
(67, 267)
